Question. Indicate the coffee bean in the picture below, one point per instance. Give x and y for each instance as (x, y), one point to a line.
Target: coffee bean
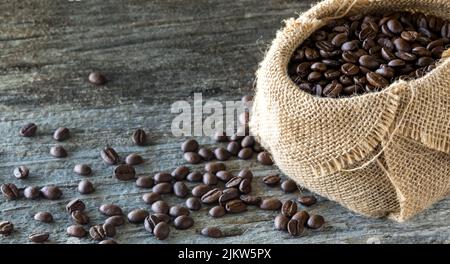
(376, 80)
(58, 151)
(289, 186)
(193, 203)
(97, 232)
(160, 207)
(409, 36)
(110, 229)
(210, 179)
(224, 175)
(251, 199)
(307, 200)
(245, 186)
(110, 156)
(270, 204)
(110, 209)
(161, 231)
(137, 216)
(339, 39)
(38, 237)
(350, 45)
(180, 173)
(44, 217)
(97, 78)
(294, 227)
(178, 210)
(222, 154)
(314, 76)
(80, 217)
(86, 187)
(150, 222)
(162, 177)
(10, 191)
(21, 172)
(200, 190)
(333, 89)
(194, 176)
(289, 208)
(245, 153)
(396, 63)
(76, 231)
(421, 51)
(124, 172)
(31, 192)
(349, 69)
(248, 142)
(301, 216)
(234, 182)
(190, 145)
(369, 62)
(394, 26)
(134, 159)
(163, 217)
(386, 72)
(116, 220)
(205, 154)
(280, 222)
(228, 195)
(271, 180)
(315, 221)
(61, 134)
(220, 136)
(151, 197)
(144, 182)
(214, 167)
(139, 137)
(213, 232)
(180, 189)
(28, 130)
(311, 54)
(6, 228)
(265, 158)
(108, 242)
(82, 169)
(75, 205)
(246, 174)
(183, 222)
(425, 61)
(211, 196)
(51, 192)
(192, 157)
(235, 206)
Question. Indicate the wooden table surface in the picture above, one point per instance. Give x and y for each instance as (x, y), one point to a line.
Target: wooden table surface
(153, 54)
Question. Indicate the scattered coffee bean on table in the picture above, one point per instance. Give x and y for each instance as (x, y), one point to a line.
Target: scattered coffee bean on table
(80, 217)
(180, 189)
(265, 158)
(160, 207)
(134, 159)
(6, 228)
(28, 130)
(110, 229)
(183, 222)
(44, 217)
(144, 182)
(190, 145)
(161, 231)
(110, 156)
(194, 176)
(61, 134)
(289, 186)
(151, 197)
(10, 191)
(86, 187)
(180, 173)
(206, 154)
(82, 169)
(31, 192)
(76, 231)
(137, 215)
(193, 203)
(315, 221)
(58, 151)
(39, 237)
(162, 177)
(213, 232)
(178, 210)
(21, 172)
(162, 188)
(217, 211)
(271, 180)
(110, 209)
(270, 204)
(289, 208)
(108, 242)
(139, 137)
(75, 205)
(97, 232)
(124, 172)
(51, 192)
(280, 222)
(307, 200)
(97, 78)
(116, 220)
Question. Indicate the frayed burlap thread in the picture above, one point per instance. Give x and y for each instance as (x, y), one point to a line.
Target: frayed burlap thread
(379, 154)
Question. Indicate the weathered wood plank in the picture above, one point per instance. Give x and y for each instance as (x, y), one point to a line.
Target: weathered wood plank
(153, 53)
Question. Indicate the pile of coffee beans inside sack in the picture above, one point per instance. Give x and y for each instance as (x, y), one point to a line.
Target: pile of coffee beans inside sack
(215, 188)
(362, 54)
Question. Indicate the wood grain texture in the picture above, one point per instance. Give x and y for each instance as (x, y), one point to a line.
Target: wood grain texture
(153, 53)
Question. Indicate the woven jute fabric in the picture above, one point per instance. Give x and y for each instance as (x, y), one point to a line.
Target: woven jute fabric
(379, 154)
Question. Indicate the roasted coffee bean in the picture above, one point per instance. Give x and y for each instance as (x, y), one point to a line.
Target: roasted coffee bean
(394, 26)
(425, 61)
(97, 232)
(180, 189)
(289, 186)
(301, 216)
(139, 137)
(86, 187)
(82, 169)
(245, 153)
(271, 180)
(265, 158)
(108, 242)
(190, 145)
(28, 130)
(180, 173)
(234, 182)
(200, 190)
(235, 206)
(245, 186)
(376, 80)
(183, 222)
(110, 229)
(160, 207)
(21, 172)
(61, 134)
(6, 228)
(137, 215)
(315, 221)
(150, 198)
(289, 208)
(213, 232)
(210, 179)
(163, 217)
(150, 222)
(144, 182)
(217, 211)
(220, 136)
(80, 217)
(251, 199)
(246, 174)
(205, 154)
(270, 204)
(294, 227)
(369, 62)
(350, 45)
(214, 167)
(110, 209)
(44, 217)
(307, 200)
(325, 45)
(421, 51)
(228, 195)
(280, 222)
(247, 141)
(211, 196)
(161, 231)
(314, 76)
(194, 176)
(75, 205)
(162, 177)
(192, 157)
(224, 175)
(97, 78)
(303, 69)
(76, 231)
(10, 191)
(193, 203)
(319, 67)
(134, 159)
(311, 54)
(110, 156)
(51, 192)
(396, 63)
(333, 89)
(39, 237)
(178, 210)
(222, 154)
(339, 39)
(58, 151)
(124, 172)
(386, 72)
(349, 69)
(116, 220)
(233, 148)
(31, 192)
(330, 75)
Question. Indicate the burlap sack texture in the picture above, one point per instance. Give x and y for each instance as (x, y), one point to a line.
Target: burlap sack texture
(379, 154)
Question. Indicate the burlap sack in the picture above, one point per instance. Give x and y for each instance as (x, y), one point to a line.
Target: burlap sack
(379, 154)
